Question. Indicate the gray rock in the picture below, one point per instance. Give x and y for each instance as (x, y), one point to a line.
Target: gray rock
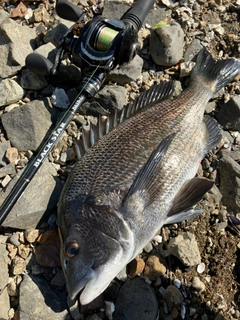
(10, 92)
(8, 169)
(166, 44)
(40, 196)
(38, 300)
(173, 296)
(14, 240)
(229, 114)
(4, 297)
(136, 301)
(13, 51)
(33, 81)
(192, 50)
(4, 260)
(114, 9)
(128, 71)
(55, 35)
(230, 183)
(112, 97)
(5, 305)
(27, 125)
(3, 148)
(185, 248)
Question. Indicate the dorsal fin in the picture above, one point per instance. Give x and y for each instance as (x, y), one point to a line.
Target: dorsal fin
(92, 133)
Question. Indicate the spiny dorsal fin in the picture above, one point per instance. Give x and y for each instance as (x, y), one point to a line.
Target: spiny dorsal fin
(92, 133)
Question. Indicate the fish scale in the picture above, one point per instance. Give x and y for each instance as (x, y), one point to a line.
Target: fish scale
(137, 177)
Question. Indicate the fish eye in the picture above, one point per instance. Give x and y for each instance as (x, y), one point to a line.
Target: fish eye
(71, 248)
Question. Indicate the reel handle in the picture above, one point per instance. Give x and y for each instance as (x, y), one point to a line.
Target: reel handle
(137, 14)
(69, 11)
(39, 64)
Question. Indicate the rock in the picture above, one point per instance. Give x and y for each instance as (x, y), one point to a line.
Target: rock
(31, 235)
(33, 81)
(14, 239)
(13, 51)
(59, 98)
(112, 96)
(18, 265)
(10, 92)
(229, 114)
(185, 248)
(55, 35)
(136, 266)
(136, 301)
(166, 44)
(173, 296)
(192, 50)
(198, 284)
(4, 260)
(148, 247)
(230, 183)
(40, 196)
(27, 125)
(128, 71)
(12, 154)
(38, 300)
(155, 267)
(5, 305)
(3, 148)
(9, 169)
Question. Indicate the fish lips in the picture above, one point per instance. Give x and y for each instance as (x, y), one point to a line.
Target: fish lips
(75, 289)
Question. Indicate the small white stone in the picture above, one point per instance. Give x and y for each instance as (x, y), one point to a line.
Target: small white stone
(201, 267)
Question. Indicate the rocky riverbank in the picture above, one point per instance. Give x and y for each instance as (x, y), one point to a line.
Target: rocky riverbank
(190, 270)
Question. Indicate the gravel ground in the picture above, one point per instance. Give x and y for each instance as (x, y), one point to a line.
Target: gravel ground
(209, 288)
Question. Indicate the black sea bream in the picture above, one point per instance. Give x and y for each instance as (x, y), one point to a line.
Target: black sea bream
(137, 177)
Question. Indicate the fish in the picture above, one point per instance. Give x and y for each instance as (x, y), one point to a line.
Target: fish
(136, 173)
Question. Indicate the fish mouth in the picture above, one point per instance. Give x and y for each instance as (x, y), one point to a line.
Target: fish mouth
(80, 284)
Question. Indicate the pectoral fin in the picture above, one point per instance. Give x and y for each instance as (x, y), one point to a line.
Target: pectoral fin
(144, 189)
(191, 193)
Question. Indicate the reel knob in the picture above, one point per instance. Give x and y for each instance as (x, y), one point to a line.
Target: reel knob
(39, 64)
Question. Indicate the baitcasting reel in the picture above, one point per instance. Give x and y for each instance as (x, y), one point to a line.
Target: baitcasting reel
(99, 44)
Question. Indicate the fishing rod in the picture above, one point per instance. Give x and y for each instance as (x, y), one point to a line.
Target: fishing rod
(96, 47)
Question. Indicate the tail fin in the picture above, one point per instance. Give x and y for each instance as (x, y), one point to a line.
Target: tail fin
(220, 72)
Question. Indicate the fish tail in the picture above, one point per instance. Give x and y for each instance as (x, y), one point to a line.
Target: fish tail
(218, 73)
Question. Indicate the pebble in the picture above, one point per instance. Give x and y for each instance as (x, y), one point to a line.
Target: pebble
(12, 154)
(148, 248)
(201, 268)
(177, 283)
(155, 267)
(18, 265)
(198, 284)
(185, 248)
(14, 239)
(31, 235)
(173, 296)
(136, 266)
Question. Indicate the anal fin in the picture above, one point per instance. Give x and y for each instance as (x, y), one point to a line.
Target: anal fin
(214, 131)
